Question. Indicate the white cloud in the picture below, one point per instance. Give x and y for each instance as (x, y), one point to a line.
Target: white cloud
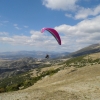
(60, 4)
(79, 12)
(26, 26)
(36, 40)
(3, 33)
(69, 15)
(83, 13)
(89, 26)
(6, 39)
(16, 26)
(82, 34)
(5, 21)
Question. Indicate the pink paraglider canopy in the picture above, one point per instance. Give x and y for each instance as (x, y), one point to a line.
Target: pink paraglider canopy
(54, 33)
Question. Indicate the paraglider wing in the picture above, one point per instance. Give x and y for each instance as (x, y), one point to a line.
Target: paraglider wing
(54, 33)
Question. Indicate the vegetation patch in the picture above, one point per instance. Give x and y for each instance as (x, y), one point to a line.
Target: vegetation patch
(81, 61)
(23, 81)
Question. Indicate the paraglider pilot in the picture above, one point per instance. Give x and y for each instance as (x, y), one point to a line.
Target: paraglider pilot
(47, 56)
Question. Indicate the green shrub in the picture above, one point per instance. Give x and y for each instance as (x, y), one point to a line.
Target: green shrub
(13, 87)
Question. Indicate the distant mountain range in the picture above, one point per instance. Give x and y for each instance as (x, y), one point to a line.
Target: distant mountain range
(33, 54)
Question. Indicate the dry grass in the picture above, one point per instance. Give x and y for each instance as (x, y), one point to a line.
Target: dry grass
(93, 56)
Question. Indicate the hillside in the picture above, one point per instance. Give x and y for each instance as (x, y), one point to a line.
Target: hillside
(94, 48)
(77, 79)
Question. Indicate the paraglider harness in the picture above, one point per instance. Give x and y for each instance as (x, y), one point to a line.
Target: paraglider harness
(47, 56)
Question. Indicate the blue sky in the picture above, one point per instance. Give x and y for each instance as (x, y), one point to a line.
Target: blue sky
(77, 22)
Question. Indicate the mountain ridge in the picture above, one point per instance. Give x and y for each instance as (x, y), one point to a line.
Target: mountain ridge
(94, 48)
